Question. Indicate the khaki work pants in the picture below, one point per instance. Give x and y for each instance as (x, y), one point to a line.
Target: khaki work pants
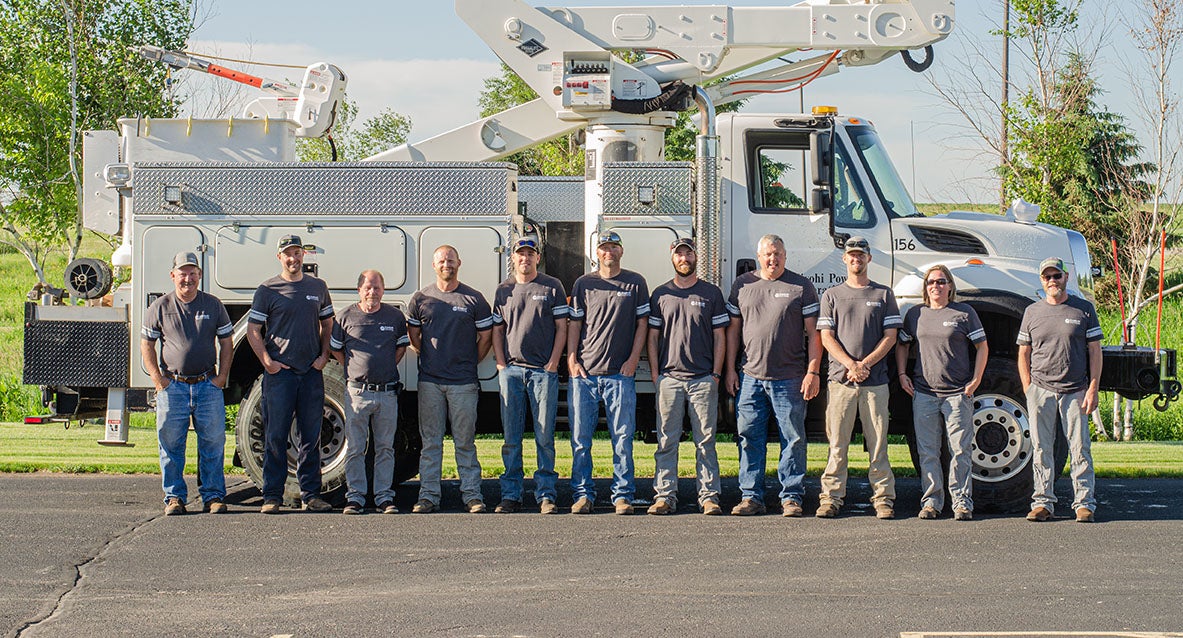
(870, 403)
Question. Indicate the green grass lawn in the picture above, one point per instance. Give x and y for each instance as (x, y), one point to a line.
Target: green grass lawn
(52, 448)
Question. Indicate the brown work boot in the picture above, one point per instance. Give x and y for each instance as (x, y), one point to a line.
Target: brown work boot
(624, 507)
(826, 510)
(1084, 515)
(476, 506)
(711, 508)
(424, 506)
(269, 507)
(884, 511)
(749, 507)
(661, 507)
(174, 506)
(790, 508)
(353, 509)
(507, 506)
(317, 504)
(387, 507)
(1039, 514)
(929, 513)
(214, 506)
(582, 506)
(962, 514)
(547, 506)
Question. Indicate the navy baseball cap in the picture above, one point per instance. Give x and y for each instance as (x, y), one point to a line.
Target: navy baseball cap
(683, 241)
(287, 241)
(526, 242)
(608, 237)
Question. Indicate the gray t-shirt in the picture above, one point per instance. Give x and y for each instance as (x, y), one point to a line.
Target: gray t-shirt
(529, 311)
(187, 332)
(773, 314)
(370, 341)
(1059, 336)
(686, 319)
(944, 338)
(608, 310)
(858, 317)
(449, 322)
(290, 312)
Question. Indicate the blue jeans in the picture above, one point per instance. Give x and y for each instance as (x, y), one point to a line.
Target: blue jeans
(175, 405)
(758, 400)
(539, 390)
(287, 394)
(619, 395)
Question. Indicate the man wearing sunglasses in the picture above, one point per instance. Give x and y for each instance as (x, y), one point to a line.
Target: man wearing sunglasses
(529, 333)
(609, 309)
(1060, 367)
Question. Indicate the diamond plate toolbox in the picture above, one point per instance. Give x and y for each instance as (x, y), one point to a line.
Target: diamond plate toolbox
(79, 353)
(648, 188)
(358, 188)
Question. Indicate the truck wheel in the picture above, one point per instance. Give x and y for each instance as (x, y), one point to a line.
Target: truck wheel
(249, 439)
(1002, 446)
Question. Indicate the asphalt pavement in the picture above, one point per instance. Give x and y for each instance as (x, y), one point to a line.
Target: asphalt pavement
(92, 556)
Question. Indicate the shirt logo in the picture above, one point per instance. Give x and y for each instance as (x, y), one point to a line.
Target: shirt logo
(459, 309)
(312, 298)
(1075, 322)
(624, 293)
(205, 315)
(948, 324)
(386, 328)
(539, 297)
(783, 295)
(698, 304)
(874, 304)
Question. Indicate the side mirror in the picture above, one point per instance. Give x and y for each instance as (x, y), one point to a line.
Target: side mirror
(821, 203)
(821, 155)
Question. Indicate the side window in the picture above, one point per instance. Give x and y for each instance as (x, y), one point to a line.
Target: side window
(850, 209)
(778, 171)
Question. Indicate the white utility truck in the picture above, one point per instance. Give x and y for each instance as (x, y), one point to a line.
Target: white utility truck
(229, 189)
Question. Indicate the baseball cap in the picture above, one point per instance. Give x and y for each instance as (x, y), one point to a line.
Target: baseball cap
(608, 237)
(526, 242)
(683, 241)
(184, 258)
(856, 244)
(287, 241)
(1052, 262)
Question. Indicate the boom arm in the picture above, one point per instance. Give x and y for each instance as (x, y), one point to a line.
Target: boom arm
(566, 56)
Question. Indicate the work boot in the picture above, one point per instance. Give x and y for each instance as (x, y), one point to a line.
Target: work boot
(507, 506)
(547, 506)
(827, 510)
(269, 507)
(1039, 514)
(317, 504)
(749, 507)
(624, 507)
(476, 506)
(884, 511)
(214, 506)
(582, 506)
(1084, 515)
(352, 509)
(424, 506)
(711, 508)
(962, 514)
(174, 506)
(661, 507)
(387, 507)
(929, 513)
(791, 508)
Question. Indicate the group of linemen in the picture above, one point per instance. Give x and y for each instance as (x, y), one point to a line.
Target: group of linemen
(763, 344)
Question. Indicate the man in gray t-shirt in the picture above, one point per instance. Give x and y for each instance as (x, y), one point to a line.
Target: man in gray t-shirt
(1060, 367)
(449, 325)
(687, 341)
(529, 333)
(189, 377)
(289, 326)
(369, 339)
(858, 323)
(604, 342)
(775, 312)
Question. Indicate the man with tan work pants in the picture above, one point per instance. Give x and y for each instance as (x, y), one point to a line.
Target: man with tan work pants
(858, 325)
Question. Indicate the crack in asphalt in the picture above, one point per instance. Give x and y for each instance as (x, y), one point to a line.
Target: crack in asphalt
(79, 573)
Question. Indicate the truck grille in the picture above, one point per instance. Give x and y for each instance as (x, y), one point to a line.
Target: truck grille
(943, 240)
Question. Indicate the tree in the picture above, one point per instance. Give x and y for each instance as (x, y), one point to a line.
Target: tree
(562, 156)
(67, 66)
(385, 130)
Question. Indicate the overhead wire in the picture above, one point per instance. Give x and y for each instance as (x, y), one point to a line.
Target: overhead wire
(224, 59)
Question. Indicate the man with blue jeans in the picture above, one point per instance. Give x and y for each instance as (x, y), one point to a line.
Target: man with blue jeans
(529, 333)
(774, 312)
(289, 326)
(187, 322)
(607, 331)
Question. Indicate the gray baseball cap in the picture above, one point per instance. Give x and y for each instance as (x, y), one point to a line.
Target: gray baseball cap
(1052, 262)
(287, 241)
(185, 258)
(857, 244)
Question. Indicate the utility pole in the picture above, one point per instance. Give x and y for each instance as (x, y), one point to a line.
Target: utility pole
(1005, 102)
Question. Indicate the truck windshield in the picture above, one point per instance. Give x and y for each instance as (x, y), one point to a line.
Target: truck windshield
(884, 177)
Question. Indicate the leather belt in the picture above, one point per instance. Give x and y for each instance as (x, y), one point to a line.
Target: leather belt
(376, 387)
(190, 379)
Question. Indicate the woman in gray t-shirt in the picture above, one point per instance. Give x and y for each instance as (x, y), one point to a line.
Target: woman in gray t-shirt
(942, 386)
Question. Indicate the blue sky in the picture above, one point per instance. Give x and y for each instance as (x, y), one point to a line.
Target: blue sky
(419, 59)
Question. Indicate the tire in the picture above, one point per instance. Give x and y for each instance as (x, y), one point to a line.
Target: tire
(248, 433)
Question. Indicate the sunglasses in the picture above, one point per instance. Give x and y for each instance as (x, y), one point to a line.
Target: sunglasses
(937, 282)
(527, 243)
(1056, 276)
